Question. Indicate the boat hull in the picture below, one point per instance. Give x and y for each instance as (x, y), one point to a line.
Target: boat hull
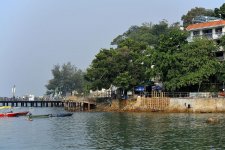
(40, 116)
(62, 115)
(23, 113)
(5, 107)
(8, 115)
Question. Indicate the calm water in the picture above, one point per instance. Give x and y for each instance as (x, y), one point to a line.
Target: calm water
(111, 131)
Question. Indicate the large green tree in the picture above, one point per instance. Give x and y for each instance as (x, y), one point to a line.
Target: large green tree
(113, 65)
(197, 65)
(66, 78)
(221, 74)
(147, 33)
(197, 11)
(102, 70)
(164, 56)
(220, 12)
(183, 66)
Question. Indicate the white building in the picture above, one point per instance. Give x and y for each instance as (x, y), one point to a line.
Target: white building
(213, 30)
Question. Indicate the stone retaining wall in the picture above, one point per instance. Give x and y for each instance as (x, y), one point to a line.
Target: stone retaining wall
(203, 105)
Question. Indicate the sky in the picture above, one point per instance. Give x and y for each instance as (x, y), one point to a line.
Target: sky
(35, 35)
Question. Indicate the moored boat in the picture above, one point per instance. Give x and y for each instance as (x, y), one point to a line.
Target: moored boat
(40, 116)
(22, 113)
(5, 107)
(8, 115)
(62, 115)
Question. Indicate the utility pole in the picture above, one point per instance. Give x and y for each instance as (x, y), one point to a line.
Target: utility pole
(14, 91)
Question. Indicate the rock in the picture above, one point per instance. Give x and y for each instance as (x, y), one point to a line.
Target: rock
(212, 120)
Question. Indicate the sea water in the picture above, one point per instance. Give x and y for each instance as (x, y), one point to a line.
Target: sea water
(111, 130)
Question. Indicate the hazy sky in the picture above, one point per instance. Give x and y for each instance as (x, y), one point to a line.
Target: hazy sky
(35, 35)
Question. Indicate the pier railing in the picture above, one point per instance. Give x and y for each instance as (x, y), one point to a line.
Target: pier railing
(184, 94)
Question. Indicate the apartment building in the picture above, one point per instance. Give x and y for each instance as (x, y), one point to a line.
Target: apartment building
(213, 29)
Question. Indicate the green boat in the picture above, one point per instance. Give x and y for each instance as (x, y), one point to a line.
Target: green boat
(39, 116)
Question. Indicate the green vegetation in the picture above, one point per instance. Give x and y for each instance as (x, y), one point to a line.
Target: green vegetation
(66, 78)
(150, 51)
(197, 11)
(220, 12)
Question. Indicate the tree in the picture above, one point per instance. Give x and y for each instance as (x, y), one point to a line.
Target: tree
(161, 52)
(189, 66)
(183, 66)
(66, 78)
(220, 12)
(197, 11)
(221, 74)
(164, 56)
(114, 65)
(222, 41)
(102, 70)
(147, 33)
(123, 81)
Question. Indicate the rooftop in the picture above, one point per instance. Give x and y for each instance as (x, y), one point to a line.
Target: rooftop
(206, 25)
(201, 19)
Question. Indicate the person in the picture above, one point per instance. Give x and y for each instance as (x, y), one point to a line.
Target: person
(29, 116)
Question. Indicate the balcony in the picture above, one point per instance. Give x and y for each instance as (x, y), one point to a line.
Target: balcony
(218, 35)
(214, 36)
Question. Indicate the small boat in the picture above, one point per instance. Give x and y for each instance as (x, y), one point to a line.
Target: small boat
(40, 116)
(22, 113)
(5, 107)
(8, 115)
(62, 115)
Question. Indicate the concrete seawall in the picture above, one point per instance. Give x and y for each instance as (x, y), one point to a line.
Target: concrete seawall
(197, 105)
(164, 104)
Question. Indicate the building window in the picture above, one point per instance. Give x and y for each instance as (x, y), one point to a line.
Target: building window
(207, 33)
(218, 30)
(196, 33)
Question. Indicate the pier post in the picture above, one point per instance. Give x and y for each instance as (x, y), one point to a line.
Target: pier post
(89, 106)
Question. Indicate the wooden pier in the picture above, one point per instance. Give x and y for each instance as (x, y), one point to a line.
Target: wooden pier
(71, 105)
(22, 103)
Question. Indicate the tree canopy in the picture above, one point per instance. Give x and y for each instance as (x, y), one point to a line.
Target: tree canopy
(197, 11)
(150, 52)
(147, 33)
(220, 12)
(117, 66)
(179, 65)
(66, 78)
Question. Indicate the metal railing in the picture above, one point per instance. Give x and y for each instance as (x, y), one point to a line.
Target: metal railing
(183, 94)
(216, 35)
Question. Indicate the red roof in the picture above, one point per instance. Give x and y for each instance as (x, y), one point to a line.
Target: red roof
(206, 25)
